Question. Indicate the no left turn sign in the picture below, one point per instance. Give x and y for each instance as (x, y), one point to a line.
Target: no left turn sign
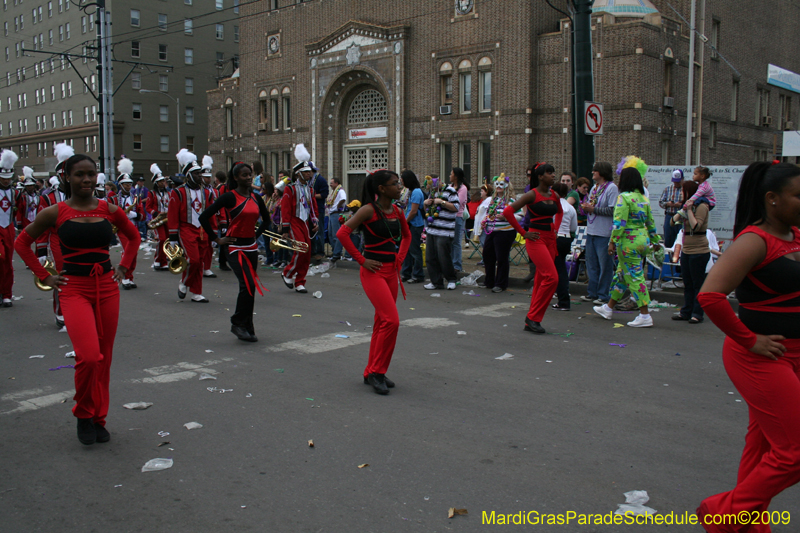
(593, 118)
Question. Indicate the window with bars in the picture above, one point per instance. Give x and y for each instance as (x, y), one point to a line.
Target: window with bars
(368, 107)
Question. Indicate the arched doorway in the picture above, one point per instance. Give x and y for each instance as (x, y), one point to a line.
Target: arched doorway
(365, 137)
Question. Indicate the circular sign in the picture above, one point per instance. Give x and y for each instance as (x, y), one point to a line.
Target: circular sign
(594, 118)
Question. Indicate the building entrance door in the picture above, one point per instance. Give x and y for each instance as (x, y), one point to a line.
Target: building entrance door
(360, 159)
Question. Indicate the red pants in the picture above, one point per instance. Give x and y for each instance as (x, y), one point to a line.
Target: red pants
(542, 253)
(208, 254)
(163, 236)
(124, 241)
(55, 251)
(192, 241)
(771, 458)
(91, 312)
(381, 289)
(7, 236)
(298, 266)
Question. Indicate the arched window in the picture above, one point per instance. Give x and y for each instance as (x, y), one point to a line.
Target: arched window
(229, 117)
(369, 106)
(287, 108)
(446, 83)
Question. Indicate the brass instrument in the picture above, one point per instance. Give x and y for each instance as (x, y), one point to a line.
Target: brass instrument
(279, 241)
(176, 257)
(51, 269)
(133, 204)
(159, 220)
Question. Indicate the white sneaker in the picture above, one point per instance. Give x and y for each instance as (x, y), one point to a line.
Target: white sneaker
(585, 298)
(181, 290)
(156, 265)
(604, 311)
(642, 321)
(429, 286)
(200, 298)
(208, 272)
(127, 282)
(451, 286)
(598, 302)
(301, 288)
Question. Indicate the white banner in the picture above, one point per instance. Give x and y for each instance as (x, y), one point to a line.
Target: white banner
(724, 181)
(791, 143)
(367, 133)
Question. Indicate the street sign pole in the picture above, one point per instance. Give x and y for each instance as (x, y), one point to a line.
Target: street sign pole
(583, 84)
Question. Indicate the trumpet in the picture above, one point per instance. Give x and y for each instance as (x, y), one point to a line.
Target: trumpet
(51, 269)
(279, 241)
(159, 220)
(176, 256)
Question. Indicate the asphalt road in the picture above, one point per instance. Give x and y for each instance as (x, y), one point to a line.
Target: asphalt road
(569, 423)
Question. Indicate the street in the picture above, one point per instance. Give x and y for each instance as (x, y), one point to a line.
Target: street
(570, 422)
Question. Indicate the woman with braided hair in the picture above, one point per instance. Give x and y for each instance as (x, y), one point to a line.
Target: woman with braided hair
(385, 229)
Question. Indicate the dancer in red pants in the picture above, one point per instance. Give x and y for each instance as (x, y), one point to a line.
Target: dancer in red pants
(544, 208)
(299, 218)
(88, 285)
(158, 204)
(8, 199)
(186, 202)
(762, 349)
(385, 228)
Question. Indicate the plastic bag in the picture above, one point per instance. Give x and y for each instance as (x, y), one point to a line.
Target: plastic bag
(154, 465)
(472, 279)
(319, 269)
(137, 406)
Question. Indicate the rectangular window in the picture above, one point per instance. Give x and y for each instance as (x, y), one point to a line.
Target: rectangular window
(187, 26)
(135, 51)
(236, 34)
(219, 5)
(5, 29)
(165, 143)
(188, 56)
(762, 107)
(60, 33)
(94, 82)
(50, 37)
(190, 115)
(49, 9)
(273, 4)
(466, 93)
(52, 92)
(137, 142)
(136, 17)
(715, 29)
(33, 15)
(668, 79)
(486, 90)
(190, 143)
(83, 24)
(665, 152)
(137, 111)
(712, 134)
(735, 101)
(85, 114)
(53, 120)
(274, 115)
(38, 125)
(66, 27)
(188, 85)
(70, 117)
(61, 6)
(63, 90)
(447, 90)
(220, 31)
(162, 52)
(484, 159)
(136, 81)
(236, 6)
(69, 89)
(446, 159)
(162, 22)
(262, 111)
(287, 113)
(229, 121)
(163, 113)
(163, 83)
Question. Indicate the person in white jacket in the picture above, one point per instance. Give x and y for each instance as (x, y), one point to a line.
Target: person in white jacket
(566, 232)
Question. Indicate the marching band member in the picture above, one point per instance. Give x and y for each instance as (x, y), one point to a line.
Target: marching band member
(244, 207)
(298, 214)
(385, 228)
(8, 199)
(208, 250)
(88, 285)
(100, 189)
(131, 206)
(28, 201)
(186, 202)
(157, 206)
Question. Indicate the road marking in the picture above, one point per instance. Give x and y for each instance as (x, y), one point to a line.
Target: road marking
(42, 401)
(496, 310)
(327, 343)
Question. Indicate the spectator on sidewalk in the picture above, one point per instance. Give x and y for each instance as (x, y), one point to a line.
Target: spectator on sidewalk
(336, 204)
(599, 216)
(412, 271)
(566, 232)
(457, 180)
(670, 202)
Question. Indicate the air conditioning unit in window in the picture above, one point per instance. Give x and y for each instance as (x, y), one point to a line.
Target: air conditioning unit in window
(766, 121)
(789, 125)
(262, 126)
(669, 101)
(445, 109)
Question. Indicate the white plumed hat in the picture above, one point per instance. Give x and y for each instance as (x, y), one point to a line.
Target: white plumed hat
(303, 160)
(28, 173)
(208, 163)
(125, 169)
(156, 172)
(7, 161)
(63, 151)
(187, 161)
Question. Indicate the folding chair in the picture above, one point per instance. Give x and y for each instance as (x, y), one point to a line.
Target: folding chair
(518, 253)
(579, 249)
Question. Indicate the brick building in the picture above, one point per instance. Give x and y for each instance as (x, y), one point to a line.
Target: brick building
(485, 84)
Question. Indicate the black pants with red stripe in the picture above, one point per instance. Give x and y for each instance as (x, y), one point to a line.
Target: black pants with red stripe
(243, 315)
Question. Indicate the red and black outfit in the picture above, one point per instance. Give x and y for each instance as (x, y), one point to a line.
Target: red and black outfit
(545, 218)
(90, 299)
(298, 215)
(769, 304)
(157, 203)
(208, 250)
(124, 200)
(8, 232)
(50, 239)
(222, 258)
(185, 206)
(243, 213)
(382, 235)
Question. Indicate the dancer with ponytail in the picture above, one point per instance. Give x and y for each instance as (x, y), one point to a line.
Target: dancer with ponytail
(88, 284)
(762, 350)
(243, 208)
(544, 208)
(385, 228)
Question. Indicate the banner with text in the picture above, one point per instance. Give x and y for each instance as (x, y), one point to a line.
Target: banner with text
(367, 133)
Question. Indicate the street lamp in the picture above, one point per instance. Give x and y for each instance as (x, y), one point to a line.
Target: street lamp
(177, 104)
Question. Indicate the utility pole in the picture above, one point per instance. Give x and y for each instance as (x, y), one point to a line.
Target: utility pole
(690, 97)
(583, 84)
(106, 101)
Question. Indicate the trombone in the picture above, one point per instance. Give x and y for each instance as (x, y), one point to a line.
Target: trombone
(279, 241)
(176, 256)
(51, 269)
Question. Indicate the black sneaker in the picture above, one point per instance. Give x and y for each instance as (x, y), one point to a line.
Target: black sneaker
(102, 433)
(378, 382)
(87, 433)
(533, 327)
(389, 382)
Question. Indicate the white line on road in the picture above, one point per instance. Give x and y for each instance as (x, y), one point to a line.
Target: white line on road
(42, 401)
(496, 310)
